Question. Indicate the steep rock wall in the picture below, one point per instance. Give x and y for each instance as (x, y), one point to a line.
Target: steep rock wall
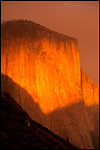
(46, 65)
(91, 97)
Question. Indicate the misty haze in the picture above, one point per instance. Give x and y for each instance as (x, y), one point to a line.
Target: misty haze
(47, 100)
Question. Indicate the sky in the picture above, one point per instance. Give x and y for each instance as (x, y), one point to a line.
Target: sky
(78, 19)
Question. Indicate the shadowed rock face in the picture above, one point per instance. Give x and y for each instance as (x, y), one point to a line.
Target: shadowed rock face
(47, 65)
(19, 131)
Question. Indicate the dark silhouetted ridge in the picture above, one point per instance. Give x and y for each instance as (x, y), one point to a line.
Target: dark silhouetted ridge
(19, 131)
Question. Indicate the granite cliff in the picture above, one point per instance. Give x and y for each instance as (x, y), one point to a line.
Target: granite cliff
(46, 64)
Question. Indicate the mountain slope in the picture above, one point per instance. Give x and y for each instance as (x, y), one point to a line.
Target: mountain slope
(41, 70)
(19, 131)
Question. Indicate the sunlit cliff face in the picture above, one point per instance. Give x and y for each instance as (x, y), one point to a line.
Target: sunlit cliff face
(51, 72)
(90, 91)
(53, 69)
